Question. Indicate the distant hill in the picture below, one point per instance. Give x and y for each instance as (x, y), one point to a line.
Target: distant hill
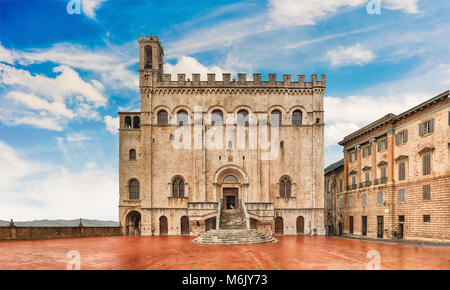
(62, 223)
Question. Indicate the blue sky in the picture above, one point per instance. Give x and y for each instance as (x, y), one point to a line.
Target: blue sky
(63, 77)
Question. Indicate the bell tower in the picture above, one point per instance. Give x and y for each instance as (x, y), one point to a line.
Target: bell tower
(151, 56)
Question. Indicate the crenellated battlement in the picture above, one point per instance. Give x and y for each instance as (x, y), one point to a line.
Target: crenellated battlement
(242, 81)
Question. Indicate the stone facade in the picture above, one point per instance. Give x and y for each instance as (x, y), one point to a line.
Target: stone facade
(397, 175)
(334, 184)
(172, 183)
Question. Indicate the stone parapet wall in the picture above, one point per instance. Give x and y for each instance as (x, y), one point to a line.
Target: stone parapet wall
(38, 233)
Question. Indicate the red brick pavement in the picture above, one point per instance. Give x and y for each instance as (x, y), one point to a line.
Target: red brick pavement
(177, 252)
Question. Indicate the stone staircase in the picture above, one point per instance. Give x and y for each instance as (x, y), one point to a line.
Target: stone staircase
(234, 237)
(233, 231)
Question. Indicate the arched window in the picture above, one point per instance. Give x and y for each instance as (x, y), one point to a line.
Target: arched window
(134, 189)
(297, 118)
(217, 118)
(230, 179)
(285, 186)
(127, 122)
(136, 122)
(242, 117)
(182, 118)
(163, 117)
(148, 57)
(275, 117)
(178, 187)
(132, 154)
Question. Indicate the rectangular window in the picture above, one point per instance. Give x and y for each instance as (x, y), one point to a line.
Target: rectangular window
(367, 175)
(366, 151)
(426, 127)
(380, 197)
(426, 192)
(353, 179)
(402, 170)
(401, 218)
(363, 200)
(382, 144)
(341, 187)
(401, 138)
(341, 204)
(401, 196)
(328, 204)
(426, 218)
(350, 201)
(426, 162)
(383, 172)
(329, 185)
(353, 157)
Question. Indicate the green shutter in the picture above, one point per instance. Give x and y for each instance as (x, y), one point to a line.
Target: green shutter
(421, 129)
(431, 126)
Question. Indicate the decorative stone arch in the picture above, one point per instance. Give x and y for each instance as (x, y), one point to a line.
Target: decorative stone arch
(132, 222)
(241, 186)
(182, 107)
(208, 116)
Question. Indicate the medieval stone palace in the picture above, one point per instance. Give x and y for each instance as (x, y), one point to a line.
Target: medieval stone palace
(201, 147)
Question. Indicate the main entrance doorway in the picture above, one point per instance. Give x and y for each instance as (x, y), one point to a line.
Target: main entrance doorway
(230, 198)
(380, 223)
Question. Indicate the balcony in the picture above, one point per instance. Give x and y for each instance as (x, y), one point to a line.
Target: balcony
(351, 187)
(365, 184)
(381, 180)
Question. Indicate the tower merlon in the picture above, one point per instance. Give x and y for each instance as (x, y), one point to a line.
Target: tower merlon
(242, 81)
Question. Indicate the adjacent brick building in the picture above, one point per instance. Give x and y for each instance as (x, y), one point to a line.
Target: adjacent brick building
(396, 175)
(165, 189)
(334, 184)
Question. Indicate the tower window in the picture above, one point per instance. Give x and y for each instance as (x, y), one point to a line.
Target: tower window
(127, 122)
(178, 187)
(217, 118)
(163, 117)
(285, 186)
(297, 118)
(134, 189)
(242, 117)
(182, 118)
(148, 58)
(275, 118)
(132, 154)
(136, 122)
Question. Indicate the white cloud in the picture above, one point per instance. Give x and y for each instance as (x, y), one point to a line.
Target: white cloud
(356, 54)
(111, 64)
(89, 7)
(112, 124)
(189, 65)
(305, 12)
(408, 6)
(44, 102)
(31, 190)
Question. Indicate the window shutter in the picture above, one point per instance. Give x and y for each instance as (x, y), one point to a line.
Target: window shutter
(379, 146)
(431, 126)
(405, 136)
(397, 139)
(421, 129)
(370, 149)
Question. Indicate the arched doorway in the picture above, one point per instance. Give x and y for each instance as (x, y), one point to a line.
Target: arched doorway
(210, 224)
(253, 223)
(279, 226)
(163, 226)
(300, 225)
(184, 225)
(133, 223)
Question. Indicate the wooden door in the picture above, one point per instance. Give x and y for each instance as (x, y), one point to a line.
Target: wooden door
(230, 198)
(364, 225)
(351, 225)
(184, 225)
(279, 226)
(163, 226)
(300, 225)
(380, 226)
